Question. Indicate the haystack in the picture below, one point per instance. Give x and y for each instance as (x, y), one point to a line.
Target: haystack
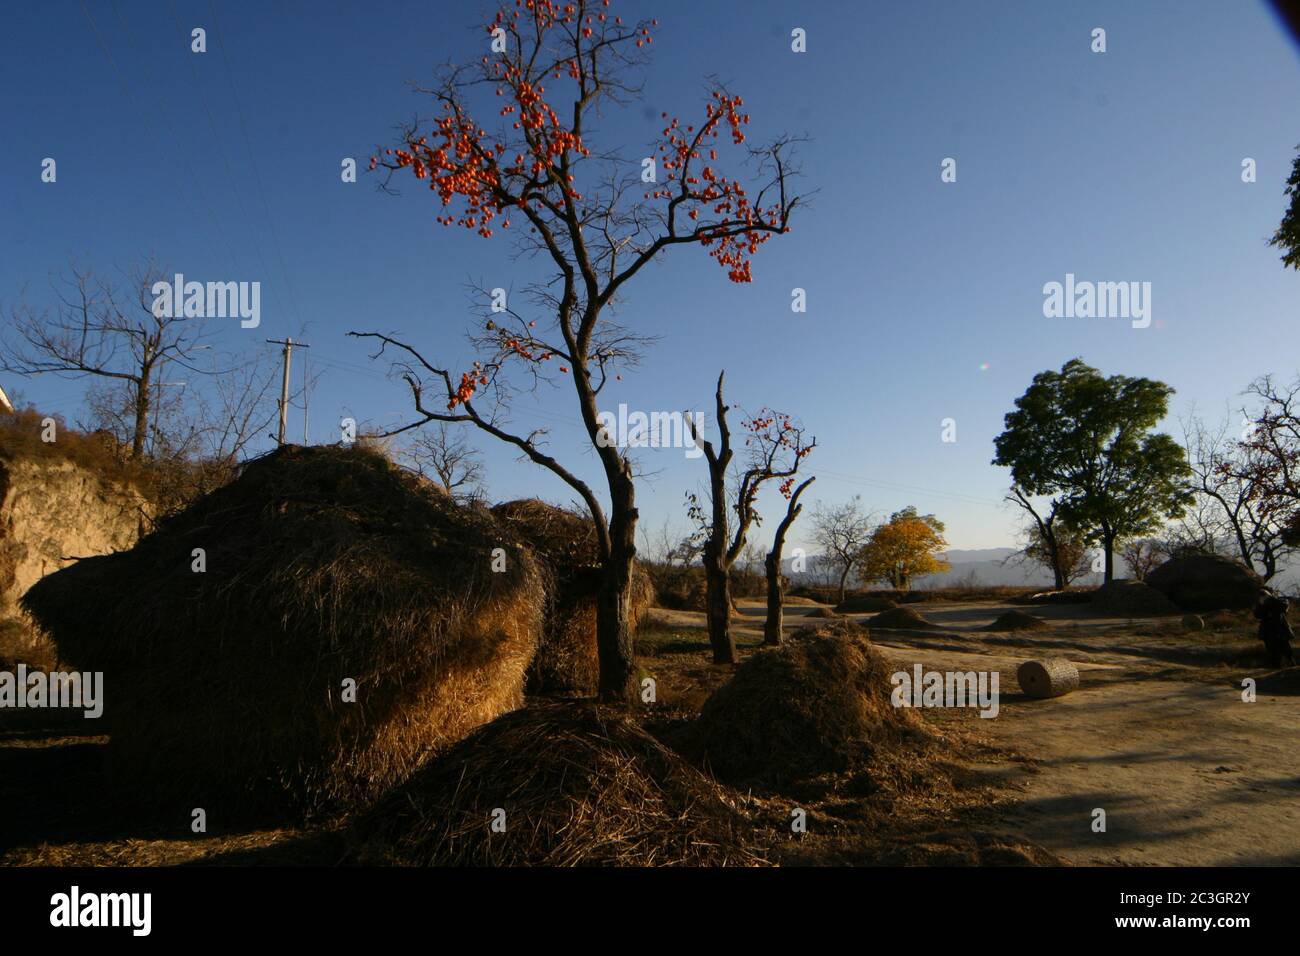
(838, 627)
(697, 599)
(1053, 597)
(565, 541)
(901, 618)
(1017, 621)
(572, 784)
(1206, 582)
(865, 604)
(1125, 598)
(228, 688)
(812, 706)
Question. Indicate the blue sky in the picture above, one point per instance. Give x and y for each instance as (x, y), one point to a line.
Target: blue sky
(924, 298)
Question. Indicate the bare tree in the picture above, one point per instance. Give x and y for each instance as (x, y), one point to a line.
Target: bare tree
(97, 329)
(1049, 542)
(1067, 553)
(594, 224)
(841, 531)
(1143, 555)
(234, 415)
(776, 447)
(1238, 479)
(443, 453)
(772, 626)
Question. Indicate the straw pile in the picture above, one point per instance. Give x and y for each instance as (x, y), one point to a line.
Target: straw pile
(1017, 621)
(818, 704)
(565, 542)
(903, 619)
(579, 784)
(1206, 582)
(1123, 597)
(224, 688)
(865, 604)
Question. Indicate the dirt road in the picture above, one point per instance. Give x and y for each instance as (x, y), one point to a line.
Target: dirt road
(1158, 736)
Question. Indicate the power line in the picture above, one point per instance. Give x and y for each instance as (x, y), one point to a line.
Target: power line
(900, 486)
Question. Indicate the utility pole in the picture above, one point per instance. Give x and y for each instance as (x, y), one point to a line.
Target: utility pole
(306, 400)
(288, 344)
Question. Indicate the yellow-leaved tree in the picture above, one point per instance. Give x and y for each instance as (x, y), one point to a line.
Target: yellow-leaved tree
(904, 547)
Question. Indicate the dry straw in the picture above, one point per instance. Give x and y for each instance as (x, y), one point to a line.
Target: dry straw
(818, 704)
(579, 784)
(1017, 621)
(224, 688)
(565, 542)
(902, 619)
(1048, 678)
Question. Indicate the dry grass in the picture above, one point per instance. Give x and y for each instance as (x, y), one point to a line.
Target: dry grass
(901, 618)
(20, 437)
(1134, 598)
(815, 705)
(22, 643)
(865, 604)
(579, 784)
(567, 660)
(323, 564)
(1017, 621)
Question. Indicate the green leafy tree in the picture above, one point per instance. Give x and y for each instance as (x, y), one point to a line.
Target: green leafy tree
(1287, 237)
(1088, 439)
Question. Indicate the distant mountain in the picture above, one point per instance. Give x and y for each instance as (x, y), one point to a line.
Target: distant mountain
(980, 566)
(990, 566)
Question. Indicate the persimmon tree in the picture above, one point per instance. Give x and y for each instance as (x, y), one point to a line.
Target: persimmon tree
(773, 624)
(903, 548)
(509, 150)
(776, 445)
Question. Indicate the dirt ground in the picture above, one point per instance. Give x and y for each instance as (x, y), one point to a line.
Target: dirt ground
(1157, 736)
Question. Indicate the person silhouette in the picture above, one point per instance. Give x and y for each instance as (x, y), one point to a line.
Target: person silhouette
(1274, 629)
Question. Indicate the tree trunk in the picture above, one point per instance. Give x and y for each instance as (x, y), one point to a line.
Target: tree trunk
(844, 576)
(1054, 550)
(772, 627)
(1108, 546)
(1269, 561)
(141, 430)
(775, 600)
(718, 609)
(614, 639)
